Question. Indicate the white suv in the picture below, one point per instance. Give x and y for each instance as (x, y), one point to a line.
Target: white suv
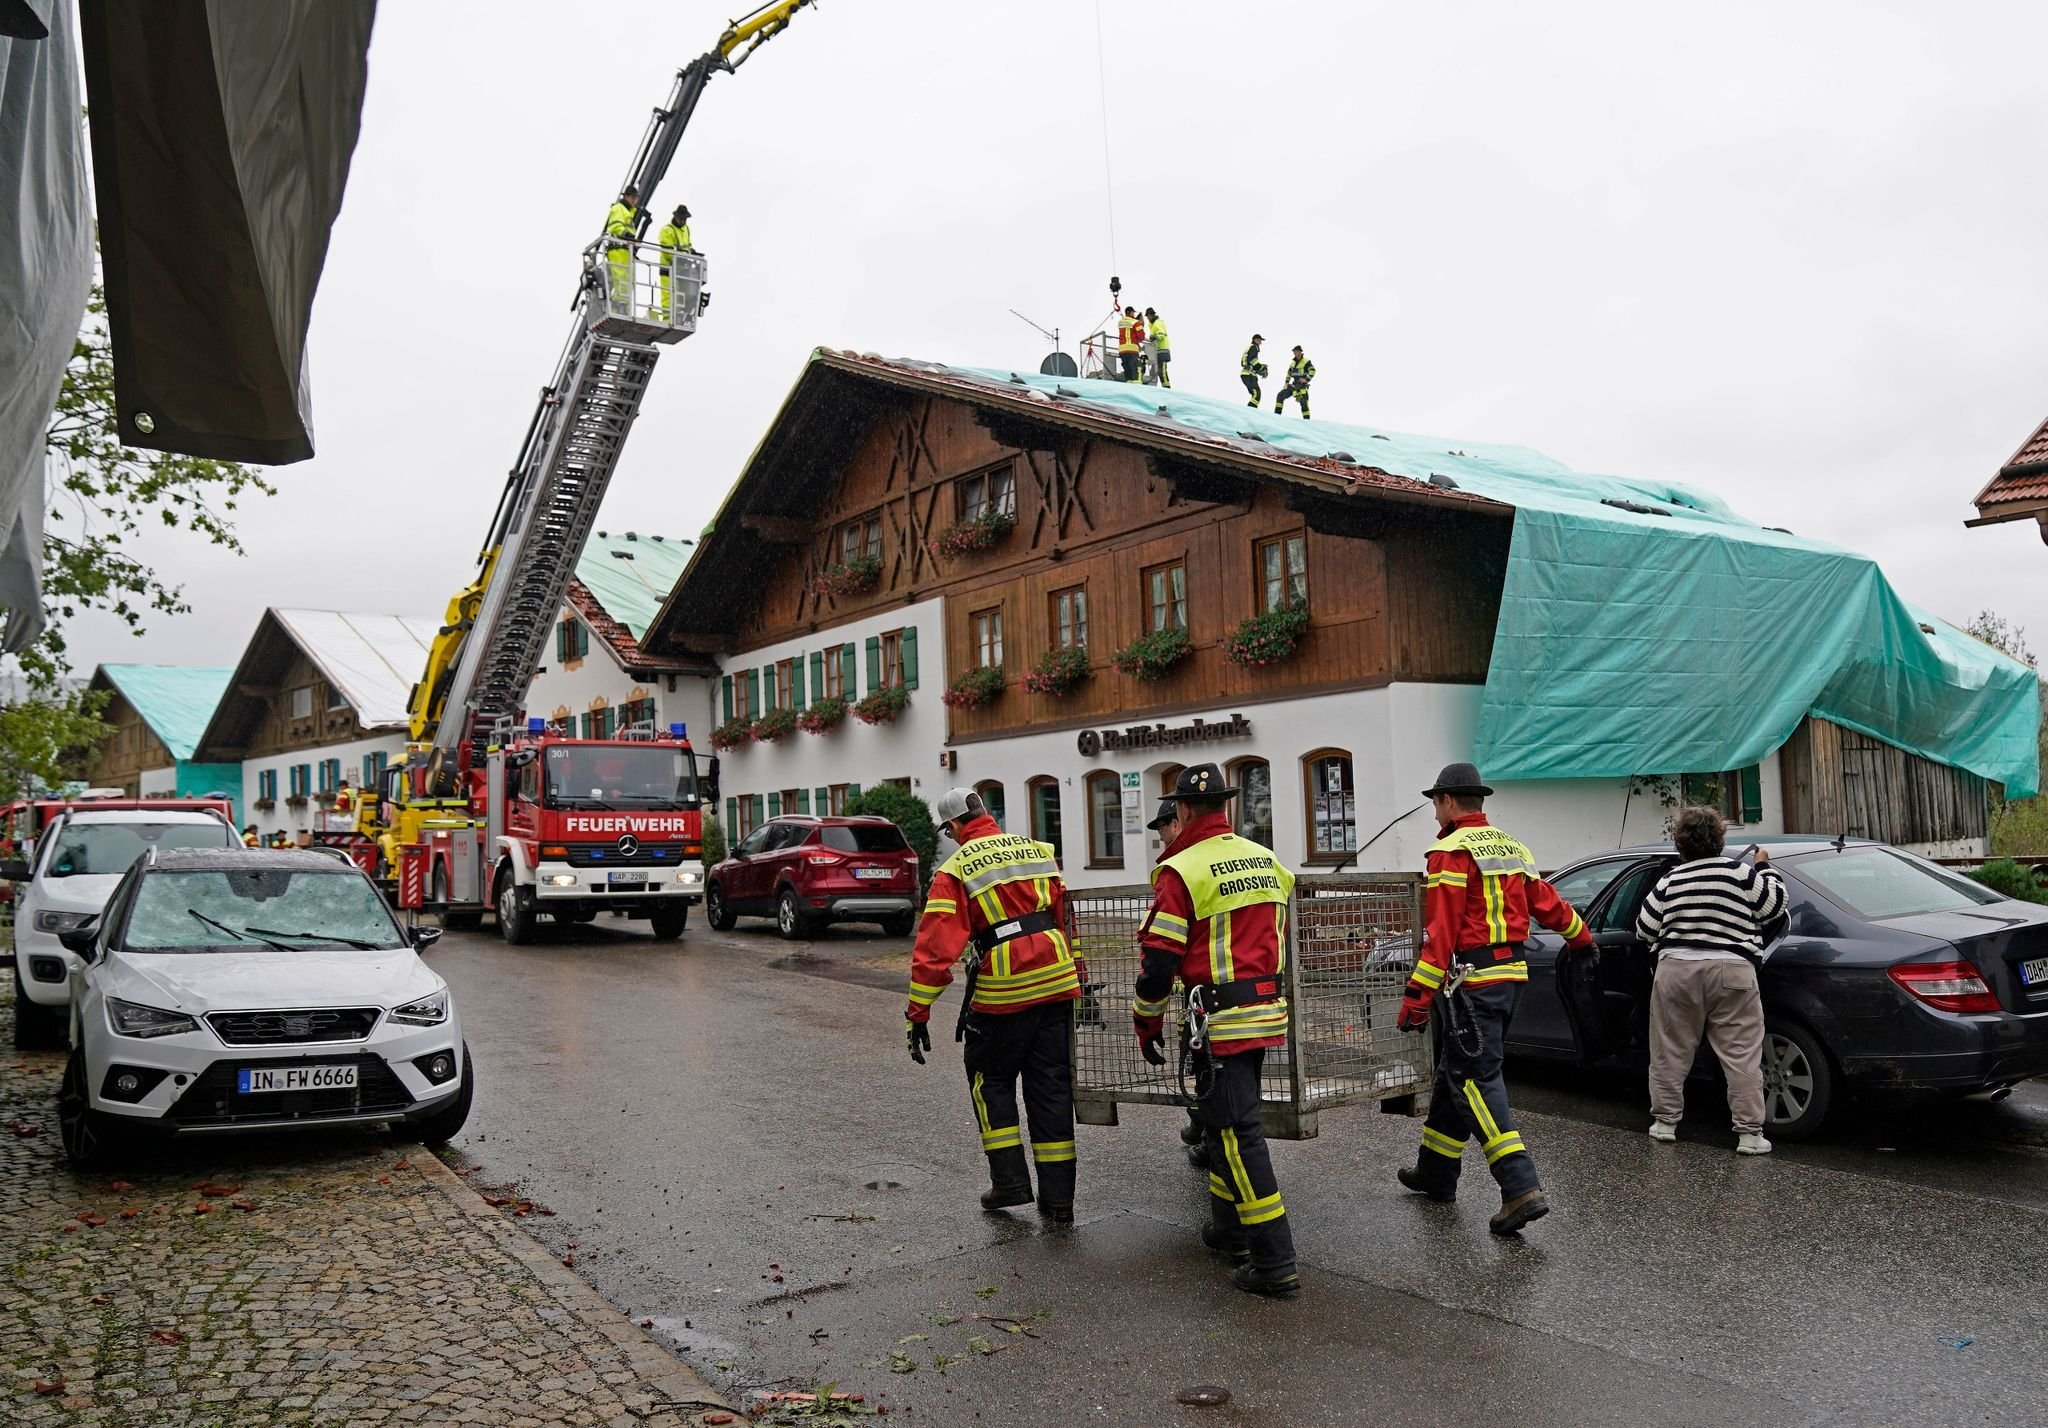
(245, 990)
(78, 860)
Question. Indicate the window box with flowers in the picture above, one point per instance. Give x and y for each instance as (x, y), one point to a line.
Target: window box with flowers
(853, 577)
(882, 706)
(1267, 638)
(1153, 655)
(297, 800)
(733, 734)
(825, 714)
(1059, 671)
(978, 532)
(264, 805)
(978, 686)
(775, 726)
(325, 798)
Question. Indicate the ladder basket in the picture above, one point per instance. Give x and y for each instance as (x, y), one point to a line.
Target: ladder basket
(642, 293)
(1351, 943)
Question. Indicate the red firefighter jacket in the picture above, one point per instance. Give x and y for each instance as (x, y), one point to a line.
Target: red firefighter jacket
(1250, 946)
(1481, 893)
(994, 877)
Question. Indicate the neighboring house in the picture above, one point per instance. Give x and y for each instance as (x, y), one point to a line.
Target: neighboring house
(158, 713)
(2019, 492)
(599, 680)
(902, 525)
(319, 698)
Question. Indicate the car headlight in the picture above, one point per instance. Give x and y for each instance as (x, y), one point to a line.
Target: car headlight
(62, 921)
(560, 880)
(131, 1019)
(427, 1011)
(689, 875)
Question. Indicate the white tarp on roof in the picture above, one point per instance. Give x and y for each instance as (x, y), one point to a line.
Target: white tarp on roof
(372, 659)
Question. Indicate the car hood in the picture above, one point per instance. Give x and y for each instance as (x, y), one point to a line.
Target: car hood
(82, 892)
(233, 981)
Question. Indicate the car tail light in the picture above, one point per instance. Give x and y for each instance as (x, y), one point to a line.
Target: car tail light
(823, 860)
(1951, 986)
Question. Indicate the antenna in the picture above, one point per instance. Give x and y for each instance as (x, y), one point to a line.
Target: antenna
(1056, 363)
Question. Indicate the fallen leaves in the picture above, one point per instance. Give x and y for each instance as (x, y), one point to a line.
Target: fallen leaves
(120, 1187)
(402, 1165)
(202, 1208)
(131, 1212)
(248, 1206)
(166, 1337)
(25, 1129)
(211, 1191)
(48, 1387)
(87, 1217)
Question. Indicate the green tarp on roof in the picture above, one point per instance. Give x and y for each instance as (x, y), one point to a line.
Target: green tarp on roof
(176, 701)
(1681, 638)
(631, 574)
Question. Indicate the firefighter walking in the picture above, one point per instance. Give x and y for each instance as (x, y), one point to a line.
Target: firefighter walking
(1300, 372)
(1250, 369)
(618, 226)
(999, 900)
(1481, 892)
(1218, 922)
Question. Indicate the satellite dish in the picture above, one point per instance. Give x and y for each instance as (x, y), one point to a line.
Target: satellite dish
(1058, 364)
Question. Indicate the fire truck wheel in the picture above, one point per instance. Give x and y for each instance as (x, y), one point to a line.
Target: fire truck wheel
(669, 922)
(515, 910)
(716, 912)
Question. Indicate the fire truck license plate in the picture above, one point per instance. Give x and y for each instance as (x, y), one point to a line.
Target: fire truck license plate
(297, 1078)
(626, 879)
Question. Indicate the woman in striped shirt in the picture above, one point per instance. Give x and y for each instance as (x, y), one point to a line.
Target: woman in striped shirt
(1705, 919)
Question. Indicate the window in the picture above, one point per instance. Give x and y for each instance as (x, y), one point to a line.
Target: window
(860, 538)
(373, 769)
(330, 775)
(1283, 572)
(836, 673)
(1877, 883)
(1254, 780)
(1070, 618)
(336, 700)
(1618, 913)
(1105, 820)
(1045, 811)
(1332, 804)
(1582, 885)
(787, 798)
(988, 637)
(1168, 777)
(991, 798)
(636, 711)
(598, 723)
(266, 785)
(1166, 594)
(743, 823)
(986, 491)
(302, 702)
(1736, 795)
(302, 780)
(784, 695)
(572, 639)
(892, 659)
(756, 840)
(836, 796)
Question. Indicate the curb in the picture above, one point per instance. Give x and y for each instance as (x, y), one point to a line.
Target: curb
(675, 1386)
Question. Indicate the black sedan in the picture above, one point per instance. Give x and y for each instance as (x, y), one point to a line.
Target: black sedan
(1890, 976)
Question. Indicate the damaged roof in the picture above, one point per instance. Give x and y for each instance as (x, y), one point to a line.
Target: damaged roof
(175, 701)
(2020, 489)
(621, 580)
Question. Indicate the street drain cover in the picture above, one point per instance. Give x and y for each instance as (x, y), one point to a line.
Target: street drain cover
(889, 1175)
(1204, 1395)
(884, 1185)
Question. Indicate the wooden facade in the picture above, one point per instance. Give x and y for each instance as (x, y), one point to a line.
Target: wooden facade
(126, 754)
(1839, 781)
(1405, 593)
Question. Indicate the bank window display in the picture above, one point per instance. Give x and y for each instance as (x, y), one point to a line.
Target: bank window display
(1070, 618)
(1166, 596)
(1283, 572)
(992, 799)
(988, 637)
(1255, 803)
(1045, 812)
(1105, 820)
(1332, 804)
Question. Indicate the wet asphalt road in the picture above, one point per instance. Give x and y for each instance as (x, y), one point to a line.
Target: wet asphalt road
(736, 1147)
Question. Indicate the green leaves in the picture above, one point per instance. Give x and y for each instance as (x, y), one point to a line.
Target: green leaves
(47, 740)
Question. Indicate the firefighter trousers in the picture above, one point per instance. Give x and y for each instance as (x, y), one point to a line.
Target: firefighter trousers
(1251, 384)
(1470, 1100)
(1036, 1045)
(1296, 390)
(1244, 1196)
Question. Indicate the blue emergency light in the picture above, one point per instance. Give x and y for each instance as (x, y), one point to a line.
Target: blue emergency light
(679, 731)
(536, 726)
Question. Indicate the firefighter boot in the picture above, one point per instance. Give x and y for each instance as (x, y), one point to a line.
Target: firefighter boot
(1421, 1184)
(1223, 1234)
(1009, 1180)
(1056, 1190)
(1275, 1281)
(1524, 1209)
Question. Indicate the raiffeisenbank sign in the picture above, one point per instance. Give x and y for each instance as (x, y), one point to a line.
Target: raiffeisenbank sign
(1093, 742)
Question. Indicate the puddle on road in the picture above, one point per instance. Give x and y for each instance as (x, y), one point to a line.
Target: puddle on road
(889, 974)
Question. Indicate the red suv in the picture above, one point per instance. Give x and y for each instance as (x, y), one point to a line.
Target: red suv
(805, 872)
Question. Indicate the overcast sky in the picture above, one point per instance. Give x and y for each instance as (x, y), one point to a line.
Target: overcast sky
(1789, 253)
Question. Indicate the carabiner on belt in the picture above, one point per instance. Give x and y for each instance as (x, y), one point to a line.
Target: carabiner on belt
(1196, 1018)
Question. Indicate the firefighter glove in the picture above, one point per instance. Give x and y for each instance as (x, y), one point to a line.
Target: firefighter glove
(1414, 1014)
(1151, 1032)
(920, 1038)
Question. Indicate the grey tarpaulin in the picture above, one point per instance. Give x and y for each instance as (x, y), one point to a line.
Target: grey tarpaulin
(45, 270)
(222, 133)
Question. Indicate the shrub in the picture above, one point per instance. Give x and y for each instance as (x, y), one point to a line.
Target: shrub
(982, 532)
(732, 734)
(979, 686)
(1151, 656)
(911, 815)
(714, 840)
(1058, 671)
(2015, 880)
(883, 705)
(1267, 638)
(824, 715)
(855, 577)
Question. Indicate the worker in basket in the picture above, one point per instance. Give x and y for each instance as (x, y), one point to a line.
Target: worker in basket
(1130, 341)
(1162, 350)
(1218, 921)
(674, 238)
(999, 900)
(619, 228)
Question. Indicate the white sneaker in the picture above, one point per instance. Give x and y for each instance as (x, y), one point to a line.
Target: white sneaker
(1751, 1143)
(1663, 1131)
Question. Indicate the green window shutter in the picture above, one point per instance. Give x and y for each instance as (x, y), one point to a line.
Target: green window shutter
(817, 675)
(874, 663)
(852, 792)
(726, 685)
(774, 805)
(910, 658)
(848, 685)
(732, 822)
(822, 800)
(803, 801)
(754, 693)
(1753, 794)
(760, 810)
(562, 640)
(796, 678)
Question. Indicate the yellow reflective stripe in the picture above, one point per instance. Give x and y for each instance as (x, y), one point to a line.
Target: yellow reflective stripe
(1044, 1151)
(1141, 1007)
(1258, 1212)
(1234, 1162)
(923, 995)
(1244, 1023)
(1062, 970)
(1506, 1143)
(1011, 995)
(980, 1106)
(1427, 974)
(1220, 1190)
(991, 906)
(1002, 1139)
(944, 906)
(1442, 1144)
(1496, 909)
(1481, 1116)
(1575, 926)
(1446, 880)
(1168, 928)
(1516, 971)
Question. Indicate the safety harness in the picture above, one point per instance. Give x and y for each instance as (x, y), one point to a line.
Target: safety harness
(1204, 1000)
(985, 941)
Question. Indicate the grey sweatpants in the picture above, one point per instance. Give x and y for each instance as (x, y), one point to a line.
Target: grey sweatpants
(1721, 999)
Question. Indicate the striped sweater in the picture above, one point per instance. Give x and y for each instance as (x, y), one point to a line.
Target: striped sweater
(1712, 908)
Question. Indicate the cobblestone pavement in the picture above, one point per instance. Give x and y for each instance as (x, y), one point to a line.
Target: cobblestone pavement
(318, 1279)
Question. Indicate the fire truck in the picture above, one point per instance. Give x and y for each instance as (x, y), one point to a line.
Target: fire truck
(493, 812)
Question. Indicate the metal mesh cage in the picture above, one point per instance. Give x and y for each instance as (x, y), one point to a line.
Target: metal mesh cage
(1350, 947)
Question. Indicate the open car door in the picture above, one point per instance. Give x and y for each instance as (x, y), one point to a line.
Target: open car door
(1606, 987)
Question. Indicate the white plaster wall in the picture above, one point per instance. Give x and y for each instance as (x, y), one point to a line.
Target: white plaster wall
(598, 674)
(297, 820)
(155, 781)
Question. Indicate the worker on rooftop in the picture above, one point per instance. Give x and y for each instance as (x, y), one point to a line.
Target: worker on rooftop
(1161, 352)
(674, 238)
(1300, 372)
(1130, 336)
(619, 226)
(1250, 369)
